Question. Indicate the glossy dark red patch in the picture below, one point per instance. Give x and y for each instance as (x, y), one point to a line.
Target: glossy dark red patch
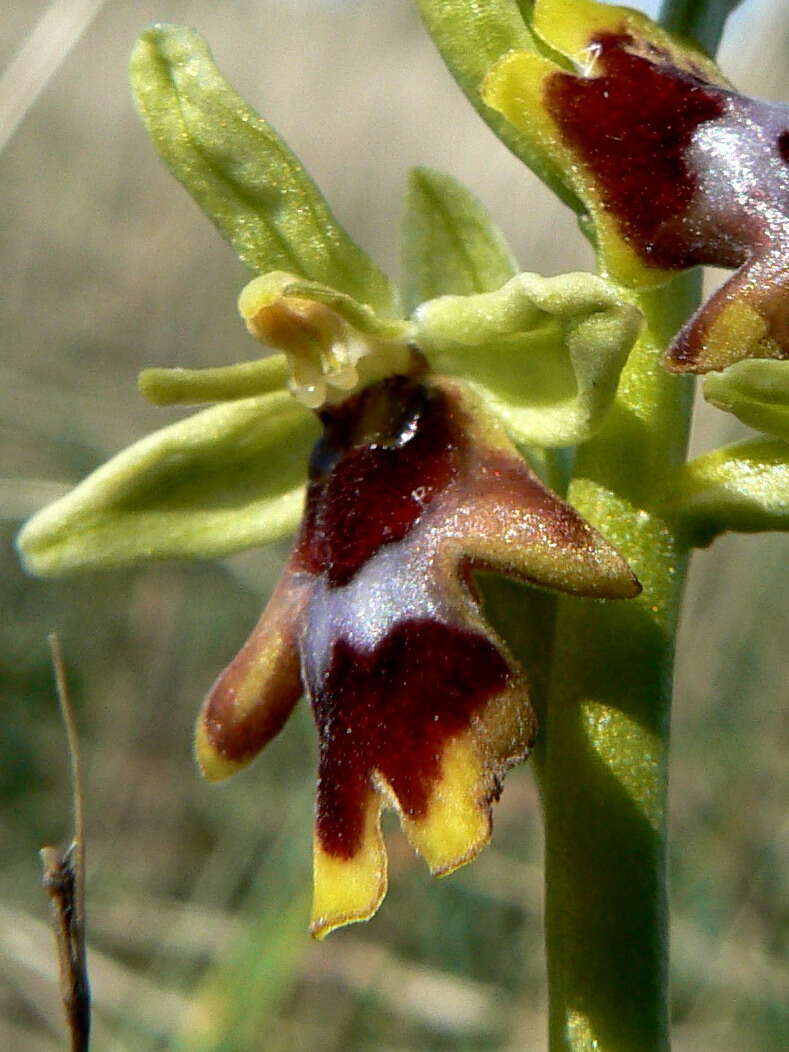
(631, 125)
(393, 710)
(783, 146)
(384, 455)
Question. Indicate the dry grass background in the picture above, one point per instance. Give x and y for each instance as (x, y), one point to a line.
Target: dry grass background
(198, 895)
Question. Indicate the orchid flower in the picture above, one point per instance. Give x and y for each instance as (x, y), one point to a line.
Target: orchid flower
(669, 164)
(392, 435)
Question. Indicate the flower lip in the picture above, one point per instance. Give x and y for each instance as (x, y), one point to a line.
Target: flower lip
(418, 702)
(397, 726)
(676, 168)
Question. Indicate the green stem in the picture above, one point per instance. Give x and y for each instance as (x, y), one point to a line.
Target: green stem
(699, 20)
(605, 764)
(605, 759)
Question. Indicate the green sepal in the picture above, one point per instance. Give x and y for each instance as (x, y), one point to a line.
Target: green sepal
(544, 353)
(472, 38)
(756, 390)
(742, 487)
(450, 244)
(241, 173)
(225, 479)
(223, 384)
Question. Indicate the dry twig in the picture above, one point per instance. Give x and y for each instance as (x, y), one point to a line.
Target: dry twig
(64, 881)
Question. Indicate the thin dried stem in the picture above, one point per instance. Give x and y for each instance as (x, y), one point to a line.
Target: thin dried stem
(64, 881)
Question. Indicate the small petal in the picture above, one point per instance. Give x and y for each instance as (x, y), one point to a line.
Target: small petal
(223, 384)
(220, 481)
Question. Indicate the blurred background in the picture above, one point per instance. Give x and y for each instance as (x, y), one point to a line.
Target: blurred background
(198, 895)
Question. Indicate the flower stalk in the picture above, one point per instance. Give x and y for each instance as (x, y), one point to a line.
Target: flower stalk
(609, 699)
(700, 20)
(604, 775)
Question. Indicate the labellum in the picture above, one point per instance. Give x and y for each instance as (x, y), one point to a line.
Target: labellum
(418, 703)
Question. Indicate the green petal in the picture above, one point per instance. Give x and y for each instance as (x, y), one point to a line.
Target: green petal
(450, 243)
(756, 391)
(472, 37)
(225, 479)
(743, 487)
(544, 353)
(240, 172)
(223, 384)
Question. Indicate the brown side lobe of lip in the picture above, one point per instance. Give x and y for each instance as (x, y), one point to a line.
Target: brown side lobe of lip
(265, 676)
